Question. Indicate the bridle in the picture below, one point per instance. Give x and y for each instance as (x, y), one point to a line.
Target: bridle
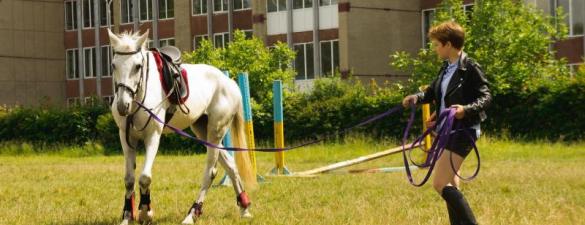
(133, 91)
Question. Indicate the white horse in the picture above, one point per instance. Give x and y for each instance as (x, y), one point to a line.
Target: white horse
(215, 105)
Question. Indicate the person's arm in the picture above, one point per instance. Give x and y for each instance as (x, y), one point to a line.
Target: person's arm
(428, 95)
(481, 87)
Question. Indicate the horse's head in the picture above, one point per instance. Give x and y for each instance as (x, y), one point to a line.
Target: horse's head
(127, 67)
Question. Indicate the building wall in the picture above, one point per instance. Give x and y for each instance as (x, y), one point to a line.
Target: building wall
(370, 30)
(32, 59)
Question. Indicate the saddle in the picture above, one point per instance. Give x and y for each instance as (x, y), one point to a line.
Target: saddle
(172, 77)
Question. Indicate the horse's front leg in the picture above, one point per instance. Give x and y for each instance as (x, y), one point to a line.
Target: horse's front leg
(129, 210)
(151, 143)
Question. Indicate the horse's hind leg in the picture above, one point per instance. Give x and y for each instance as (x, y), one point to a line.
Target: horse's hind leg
(200, 130)
(242, 198)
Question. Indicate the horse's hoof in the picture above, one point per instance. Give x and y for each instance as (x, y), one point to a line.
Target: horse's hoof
(145, 216)
(127, 218)
(245, 213)
(188, 220)
(194, 213)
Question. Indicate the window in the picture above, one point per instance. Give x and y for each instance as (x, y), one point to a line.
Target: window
(304, 61)
(249, 34)
(71, 61)
(167, 42)
(89, 54)
(73, 101)
(220, 40)
(126, 8)
(241, 4)
(89, 61)
(166, 9)
(299, 4)
(574, 15)
(220, 5)
(197, 40)
(89, 100)
(327, 2)
(161, 42)
(276, 5)
(106, 56)
(108, 99)
(103, 13)
(329, 57)
(87, 14)
(199, 7)
(574, 68)
(145, 9)
(71, 15)
(427, 21)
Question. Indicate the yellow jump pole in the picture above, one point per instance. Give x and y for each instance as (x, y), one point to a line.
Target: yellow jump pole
(426, 114)
(278, 129)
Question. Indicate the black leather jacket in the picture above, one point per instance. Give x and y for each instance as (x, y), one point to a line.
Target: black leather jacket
(468, 87)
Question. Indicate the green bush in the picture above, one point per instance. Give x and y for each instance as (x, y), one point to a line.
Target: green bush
(51, 125)
(549, 111)
(333, 105)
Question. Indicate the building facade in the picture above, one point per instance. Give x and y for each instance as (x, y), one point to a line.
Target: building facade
(58, 50)
(32, 59)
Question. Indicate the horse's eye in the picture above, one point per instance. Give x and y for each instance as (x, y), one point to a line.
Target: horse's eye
(113, 66)
(138, 67)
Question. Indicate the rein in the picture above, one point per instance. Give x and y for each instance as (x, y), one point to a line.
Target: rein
(372, 119)
(447, 118)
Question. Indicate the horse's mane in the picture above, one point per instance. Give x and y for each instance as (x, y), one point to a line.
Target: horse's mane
(127, 40)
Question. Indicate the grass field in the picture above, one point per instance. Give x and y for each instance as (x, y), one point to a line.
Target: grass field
(520, 183)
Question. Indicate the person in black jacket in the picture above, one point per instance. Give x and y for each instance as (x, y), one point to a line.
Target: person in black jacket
(461, 84)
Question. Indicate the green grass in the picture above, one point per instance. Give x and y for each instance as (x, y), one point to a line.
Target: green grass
(519, 183)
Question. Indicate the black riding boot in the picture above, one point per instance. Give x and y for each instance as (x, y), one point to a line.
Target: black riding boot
(453, 216)
(459, 205)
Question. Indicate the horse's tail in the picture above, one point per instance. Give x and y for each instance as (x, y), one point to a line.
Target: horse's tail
(245, 168)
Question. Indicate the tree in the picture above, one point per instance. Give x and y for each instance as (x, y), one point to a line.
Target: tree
(262, 64)
(509, 39)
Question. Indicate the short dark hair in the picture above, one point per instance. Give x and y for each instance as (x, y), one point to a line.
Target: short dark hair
(448, 32)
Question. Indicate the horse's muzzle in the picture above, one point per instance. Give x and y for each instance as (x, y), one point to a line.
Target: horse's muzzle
(123, 108)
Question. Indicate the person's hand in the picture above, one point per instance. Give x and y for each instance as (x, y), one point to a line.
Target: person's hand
(460, 112)
(432, 121)
(408, 100)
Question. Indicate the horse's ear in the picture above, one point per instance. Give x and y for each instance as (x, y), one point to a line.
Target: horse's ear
(142, 39)
(114, 39)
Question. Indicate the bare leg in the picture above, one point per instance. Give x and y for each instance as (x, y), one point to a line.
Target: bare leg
(459, 210)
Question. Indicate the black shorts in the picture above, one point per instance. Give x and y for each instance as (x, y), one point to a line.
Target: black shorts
(461, 142)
